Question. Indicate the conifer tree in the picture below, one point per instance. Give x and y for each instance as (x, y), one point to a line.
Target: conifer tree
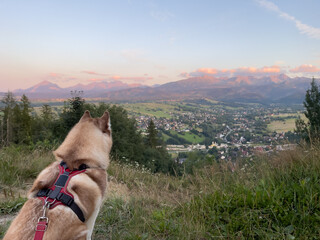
(152, 135)
(312, 105)
(72, 112)
(310, 130)
(46, 113)
(9, 102)
(25, 120)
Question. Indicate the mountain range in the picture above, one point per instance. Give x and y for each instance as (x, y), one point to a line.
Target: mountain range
(271, 89)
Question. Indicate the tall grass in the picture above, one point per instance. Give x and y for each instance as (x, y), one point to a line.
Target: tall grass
(19, 165)
(270, 197)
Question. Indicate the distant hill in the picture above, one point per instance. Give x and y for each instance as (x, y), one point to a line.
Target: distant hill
(49, 90)
(272, 89)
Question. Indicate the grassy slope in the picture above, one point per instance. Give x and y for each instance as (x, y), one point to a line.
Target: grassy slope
(270, 198)
(190, 137)
(282, 126)
(151, 109)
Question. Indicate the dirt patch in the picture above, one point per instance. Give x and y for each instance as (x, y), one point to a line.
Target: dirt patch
(6, 218)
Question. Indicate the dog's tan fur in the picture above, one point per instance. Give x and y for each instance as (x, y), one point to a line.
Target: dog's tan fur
(89, 142)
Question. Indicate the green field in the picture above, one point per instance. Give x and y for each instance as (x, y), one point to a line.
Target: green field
(150, 109)
(284, 125)
(190, 137)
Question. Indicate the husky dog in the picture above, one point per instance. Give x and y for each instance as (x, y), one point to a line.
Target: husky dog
(86, 148)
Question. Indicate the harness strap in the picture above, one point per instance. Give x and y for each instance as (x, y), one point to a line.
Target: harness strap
(58, 192)
(40, 229)
(65, 200)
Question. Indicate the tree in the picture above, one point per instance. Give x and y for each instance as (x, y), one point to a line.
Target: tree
(72, 112)
(46, 113)
(310, 130)
(152, 135)
(9, 102)
(24, 135)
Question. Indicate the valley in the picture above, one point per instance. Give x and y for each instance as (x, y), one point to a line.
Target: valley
(229, 130)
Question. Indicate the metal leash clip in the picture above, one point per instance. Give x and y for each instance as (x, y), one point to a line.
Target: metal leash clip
(46, 206)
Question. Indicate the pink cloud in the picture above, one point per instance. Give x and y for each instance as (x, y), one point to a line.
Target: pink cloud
(253, 70)
(263, 71)
(59, 77)
(122, 78)
(135, 79)
(273, 69)
(184, 75)
(96, 79)
(94, 73)
(53, 75)
(208, 70)
(305, 68)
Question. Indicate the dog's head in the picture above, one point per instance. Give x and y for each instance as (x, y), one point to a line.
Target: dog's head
(89, 142)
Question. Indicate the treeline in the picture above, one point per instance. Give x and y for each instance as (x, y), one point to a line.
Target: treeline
(21, 125)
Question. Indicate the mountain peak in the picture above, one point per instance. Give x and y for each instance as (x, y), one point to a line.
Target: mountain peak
(45, 82)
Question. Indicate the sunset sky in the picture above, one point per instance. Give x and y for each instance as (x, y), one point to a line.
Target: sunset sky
(153, 42)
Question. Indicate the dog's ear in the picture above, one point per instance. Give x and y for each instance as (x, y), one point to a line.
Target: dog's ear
(104, 123)
(85, 116)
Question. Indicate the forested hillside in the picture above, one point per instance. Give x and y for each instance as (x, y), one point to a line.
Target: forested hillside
(21, 126)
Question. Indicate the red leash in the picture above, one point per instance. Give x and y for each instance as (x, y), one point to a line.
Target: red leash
(41, 228)
(42, 222)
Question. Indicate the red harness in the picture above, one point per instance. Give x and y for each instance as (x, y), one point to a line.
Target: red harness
(56, 195)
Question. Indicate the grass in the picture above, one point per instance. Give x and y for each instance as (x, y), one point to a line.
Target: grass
(286, 124)
(190, 137)
(275, 197)
(282, 126)
(151, 109)
(19, 166)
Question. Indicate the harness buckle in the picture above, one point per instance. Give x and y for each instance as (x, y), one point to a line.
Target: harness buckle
(47, 204)
(65, 199)
(42, 227)
(40, 219)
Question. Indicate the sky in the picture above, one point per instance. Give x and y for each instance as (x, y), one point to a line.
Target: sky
(154, 42)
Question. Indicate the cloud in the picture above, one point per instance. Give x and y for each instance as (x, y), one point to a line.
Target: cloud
(97, 79)
(53, 75)
(134, 79)
(308, 30)
(208, 70)
(184, 75)
(59, 77)
(251, 71)
(305, 68)
(94, 73)
(113, 78)
(264, 70)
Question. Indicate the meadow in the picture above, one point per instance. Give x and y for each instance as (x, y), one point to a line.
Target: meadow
(155, 109)
(280, 126)
(268, 197)
(286, 124)
(188, 136)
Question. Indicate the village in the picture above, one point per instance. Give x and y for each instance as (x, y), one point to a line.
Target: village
(228, 133)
